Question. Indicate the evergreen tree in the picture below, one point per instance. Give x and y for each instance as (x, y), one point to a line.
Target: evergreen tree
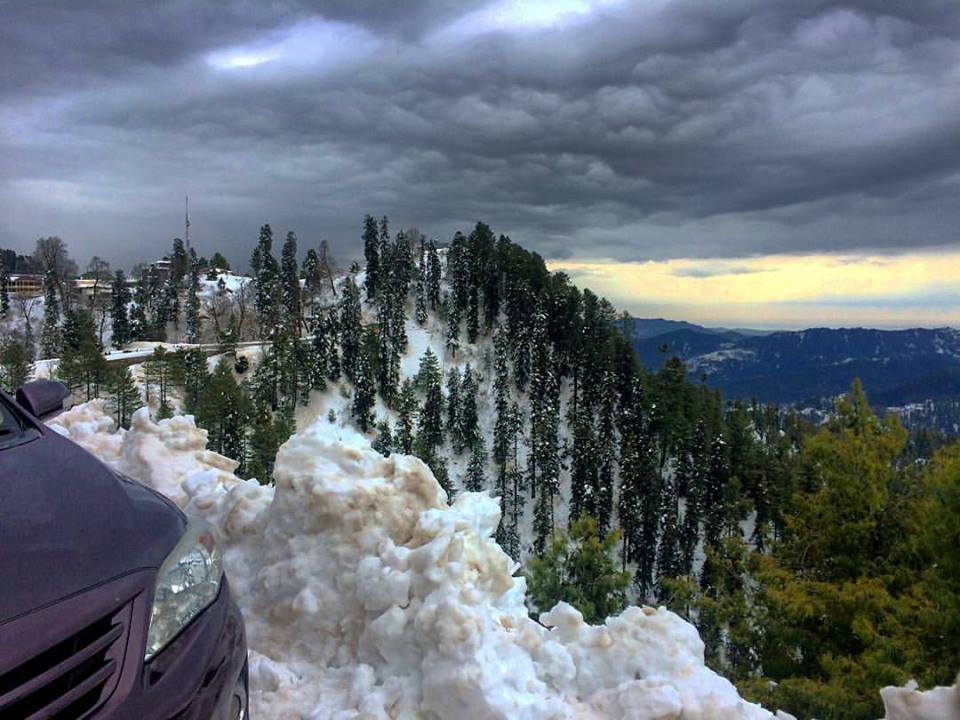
(224, 412)
(583, 466)
(421, 307)
(580, 569)
(434, 273)
(407, 409)
(290, 301)
(430, 421)
(311, 273)
(139, 324)
(473, 314)
(467, 421)
(124, 395)
(169, 308)
(600, 499)
(157, 371)
(453, 404)
(14, 361)
(266, 275)
(4, 291)
(453, 326)
(364, 392)
(82, 367)
(669, 551)
(383, 443)
(371, 251)
(476, 477)
(50, 337)
(188, 369)
(193, 300)
(119, 317)
(691, 475)
(351, 329)
(543, 461)
(267, 434)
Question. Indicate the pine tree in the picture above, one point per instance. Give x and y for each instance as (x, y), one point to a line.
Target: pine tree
(82, 367)
(267, 279)
(290, 300)
(157, 371)
(421, 307)
(580, 569)
(139, 324)
(169, 310)
(188, 369)
(476, 477)
(473, 314)
(14, 361)
(600, 502)
(124, 395)
(467, 420)
(332, 325)
(691, 475)
(434, 273)
(364, 392)
(312, 279)
(119, 318)
(543, 461)
(383, 443)
(430, 421)
(225, 413)
(266, 436)
(4, 291)
(453, 326)
(351, 329)
(669, 552)
(371, 251)
(583, 466)
(193, 300)
(453, 404)
(407, 409)
(50, 337)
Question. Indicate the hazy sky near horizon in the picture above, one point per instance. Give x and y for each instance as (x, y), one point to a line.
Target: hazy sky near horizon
(747, 162)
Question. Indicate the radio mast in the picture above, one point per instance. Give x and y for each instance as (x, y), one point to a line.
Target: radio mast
(186, 220)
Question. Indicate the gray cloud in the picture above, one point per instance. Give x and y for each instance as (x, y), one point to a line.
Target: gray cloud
(638, 131)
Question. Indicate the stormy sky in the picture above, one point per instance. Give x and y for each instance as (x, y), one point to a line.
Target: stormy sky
(696, 142)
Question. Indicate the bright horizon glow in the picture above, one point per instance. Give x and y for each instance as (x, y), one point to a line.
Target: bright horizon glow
(783, 291)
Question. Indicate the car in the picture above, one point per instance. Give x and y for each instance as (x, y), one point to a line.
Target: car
(113, 603)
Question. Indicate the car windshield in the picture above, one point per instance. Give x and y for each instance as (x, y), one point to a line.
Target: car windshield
(10, 423)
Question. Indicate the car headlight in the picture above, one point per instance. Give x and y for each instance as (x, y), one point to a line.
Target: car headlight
(188, 581)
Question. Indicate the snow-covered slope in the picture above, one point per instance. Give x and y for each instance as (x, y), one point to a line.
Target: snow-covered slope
(367, 596)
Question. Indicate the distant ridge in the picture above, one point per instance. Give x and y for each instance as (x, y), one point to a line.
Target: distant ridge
(803, 368)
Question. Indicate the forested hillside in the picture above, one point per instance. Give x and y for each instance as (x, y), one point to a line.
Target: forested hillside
(821, 560)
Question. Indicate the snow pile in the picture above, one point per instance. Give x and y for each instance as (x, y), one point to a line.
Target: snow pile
(908, 703)
(366, 596)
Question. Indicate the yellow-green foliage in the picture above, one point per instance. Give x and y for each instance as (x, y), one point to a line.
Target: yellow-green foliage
(862, 591)
(580, 569)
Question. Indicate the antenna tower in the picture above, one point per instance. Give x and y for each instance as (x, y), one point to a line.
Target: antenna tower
(186, 220)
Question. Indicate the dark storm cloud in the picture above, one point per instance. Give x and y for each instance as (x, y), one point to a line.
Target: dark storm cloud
(629, 130)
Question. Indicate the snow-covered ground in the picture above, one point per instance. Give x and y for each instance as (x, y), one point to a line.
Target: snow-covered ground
(367, 596)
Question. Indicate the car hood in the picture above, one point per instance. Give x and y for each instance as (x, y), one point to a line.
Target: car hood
(67, 523)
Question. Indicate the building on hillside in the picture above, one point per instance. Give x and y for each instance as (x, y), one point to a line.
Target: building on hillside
(25, 284)
(85, 288)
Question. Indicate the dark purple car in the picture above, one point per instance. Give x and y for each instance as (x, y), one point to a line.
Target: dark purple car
(113, 603)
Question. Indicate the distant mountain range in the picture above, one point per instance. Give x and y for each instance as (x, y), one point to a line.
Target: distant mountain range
(903, 369)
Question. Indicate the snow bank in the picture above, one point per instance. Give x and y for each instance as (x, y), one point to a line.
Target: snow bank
(908, 703)
(367, 596)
